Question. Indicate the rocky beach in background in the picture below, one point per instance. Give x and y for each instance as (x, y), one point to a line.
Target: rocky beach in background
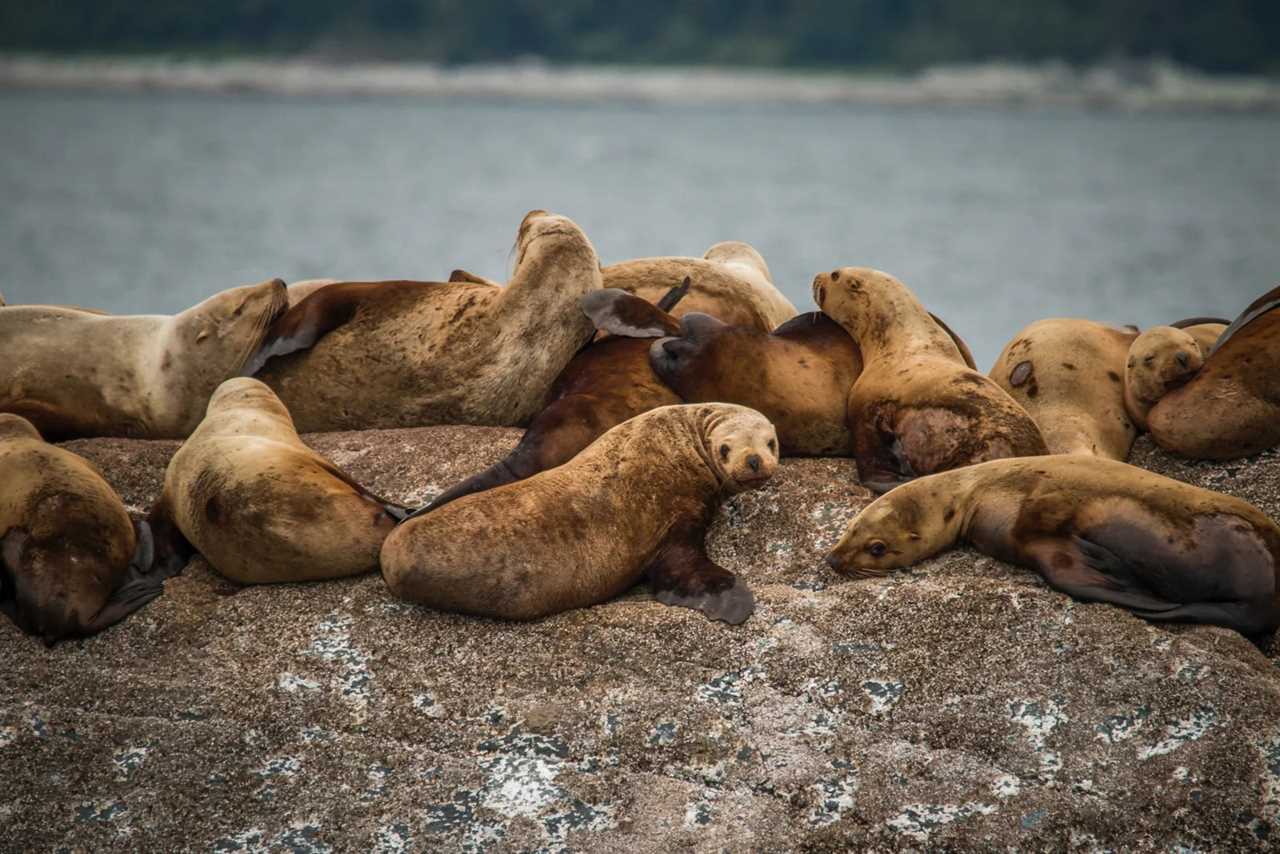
(1122, 85)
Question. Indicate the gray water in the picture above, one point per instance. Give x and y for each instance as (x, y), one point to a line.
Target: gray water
(146, 203)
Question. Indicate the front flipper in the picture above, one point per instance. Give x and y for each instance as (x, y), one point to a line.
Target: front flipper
(683, 575)
(170, 548)
(620, 313)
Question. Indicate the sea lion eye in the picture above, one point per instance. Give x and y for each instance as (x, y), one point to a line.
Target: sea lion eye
(724, 452)
(877, 548)
(773, 446)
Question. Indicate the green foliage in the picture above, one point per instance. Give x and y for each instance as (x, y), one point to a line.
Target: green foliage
(1224, 35)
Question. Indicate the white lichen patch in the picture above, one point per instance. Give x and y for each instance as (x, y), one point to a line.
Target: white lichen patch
(332, 643)
(391, 839)
(1117, 728)
(884, 695)
(726, 688)
(279, 766)
(426, 703)
(1040, 719)
(1182, 732)
(834, 797)
(1006, 786)
(697, 815)
(251, 841)
(293, 683)
(127, 760)
(8, 735)
(919, 821)
(520, 786)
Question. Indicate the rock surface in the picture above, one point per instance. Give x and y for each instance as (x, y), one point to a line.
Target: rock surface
(961, 704)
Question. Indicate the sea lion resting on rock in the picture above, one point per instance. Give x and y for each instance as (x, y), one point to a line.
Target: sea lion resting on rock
(260, 505)
(635, 503)
(75, 372)
(360, 355)
(1164, 358)
(917, 408)
(1096, 529)
(1231, 407)
(71, 561)
(1068, 375)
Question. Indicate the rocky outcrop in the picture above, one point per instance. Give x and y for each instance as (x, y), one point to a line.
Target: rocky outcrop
(961, 704)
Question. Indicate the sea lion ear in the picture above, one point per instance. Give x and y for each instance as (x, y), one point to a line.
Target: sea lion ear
(620, 313)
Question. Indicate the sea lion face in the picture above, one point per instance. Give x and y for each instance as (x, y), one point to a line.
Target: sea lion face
(539, 224)
(1160, 360)
(239, 316)
(883, 537)
(743, 449)
(847, 293)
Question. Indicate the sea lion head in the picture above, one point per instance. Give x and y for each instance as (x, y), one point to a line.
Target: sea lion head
(859, 298)
(737, 253)
(16, 427)
(245, 393)
(683, 361)
(1160, 360)
(741, 445)
(887, 534)
(221, 334)
(541, 231)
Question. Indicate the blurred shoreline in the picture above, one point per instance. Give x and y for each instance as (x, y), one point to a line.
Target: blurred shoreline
(1121, 85)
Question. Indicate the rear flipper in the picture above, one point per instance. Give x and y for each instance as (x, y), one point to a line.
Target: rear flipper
(682, 575)
(1247, 618)
(170, 548)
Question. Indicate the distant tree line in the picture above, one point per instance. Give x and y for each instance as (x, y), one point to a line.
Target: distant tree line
(1216, 35)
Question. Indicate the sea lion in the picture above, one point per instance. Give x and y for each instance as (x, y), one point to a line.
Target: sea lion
(78, 373)
(635, 503)
(1163, 358)
(1096, 529)
(1068, 374)
(731, 282)
(260, 505)
(606, 383)
(360, 355)
(1231, 408)
(298, 291)
(71, 561)
(916, 408)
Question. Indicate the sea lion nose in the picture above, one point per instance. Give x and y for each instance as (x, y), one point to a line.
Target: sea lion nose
(1183, 358)
(754, 462)
(833, 561)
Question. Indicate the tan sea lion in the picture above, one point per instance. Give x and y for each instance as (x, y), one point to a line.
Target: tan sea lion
(298, 291)
(260, 505)
(606, 383)
(1096, 529)
(1163, 358)
(634, 504)
(359, 355)
(916, 408)
(1068, 374)
(731, 282)
(71, 561)
(79, 373)
(1231, 408)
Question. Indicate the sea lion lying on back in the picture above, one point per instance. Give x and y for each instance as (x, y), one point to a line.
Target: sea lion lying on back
(1231, 407)
(1164, 358)
(1096, 529)
(634, 504)
(360, 355)
(75, 372)
(260, 505)
(1068, 374)
(917, 408)
(71, 561)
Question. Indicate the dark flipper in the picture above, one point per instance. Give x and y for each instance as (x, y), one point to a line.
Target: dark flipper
(137, 590)
(170, 548)
(672, 297)
(682, 575)
(620, 313)
(11, 545)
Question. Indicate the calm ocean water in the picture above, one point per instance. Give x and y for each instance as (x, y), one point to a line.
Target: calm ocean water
(148, 202)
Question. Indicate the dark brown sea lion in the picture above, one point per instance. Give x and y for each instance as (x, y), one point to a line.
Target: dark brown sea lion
(1096, 529)
(1068, 374)
(260, 505)
(71, 561)
(359, 355)
(75, 373)
(917, 408)
(1231, 408)
(1164, 358)
(634, 504)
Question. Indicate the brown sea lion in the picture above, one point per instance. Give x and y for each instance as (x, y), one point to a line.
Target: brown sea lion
(359, 355)
(260, 505)
(1231, 408)
(917, 408)
(1163, 358)
(634, 504)
(608, 382)
(1096, 529)
(71, 561)
(80, 373)
(1068, 375)
(731, 283)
